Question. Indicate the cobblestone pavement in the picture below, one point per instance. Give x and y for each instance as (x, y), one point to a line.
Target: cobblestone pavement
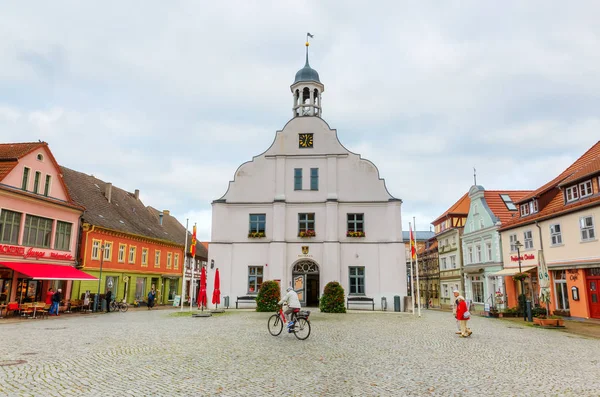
(357, 354)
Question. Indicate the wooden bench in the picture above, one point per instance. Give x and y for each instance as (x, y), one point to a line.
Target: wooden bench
(244, 299)
(361, 300)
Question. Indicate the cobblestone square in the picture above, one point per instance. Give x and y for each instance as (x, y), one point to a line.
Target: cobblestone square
(156, 353)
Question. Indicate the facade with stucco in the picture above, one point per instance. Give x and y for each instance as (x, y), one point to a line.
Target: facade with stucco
(308, 211)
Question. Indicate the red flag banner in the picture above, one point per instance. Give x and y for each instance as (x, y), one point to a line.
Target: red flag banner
(193, 244)
(413, 248)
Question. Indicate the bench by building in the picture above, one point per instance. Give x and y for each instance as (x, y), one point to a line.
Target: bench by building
(244, 299)
(361, 300)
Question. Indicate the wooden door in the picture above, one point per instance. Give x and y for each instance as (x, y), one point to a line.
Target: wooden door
(594, 297)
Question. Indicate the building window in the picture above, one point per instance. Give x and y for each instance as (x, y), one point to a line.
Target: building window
(443, 261)
(357, 280)
(470, 256)
(132, 255)
(306, 222)
(47, 185)
(481, 224)
(25, 182)
(478, 253)
(572, 193)
(513, 242)
(156, 258)
(586, 225)
(314, 179)
(37, 231)
(144, 257)
(453, 261)
(36, 182)
(524, 209)
(40, 157)
(528, 239)
(297, 178)
(10, 223)
(107, 251)
(555, 234)
(445, 291)
(585, 189)
(258, 223)
(477, 288)
(96, 249)
(561, 291)
(534, 206)
(475, 209)
(140, 288)
(508, 202)
(62, 237)
(356, 222)
(169, 260)
(488, 247)
(176, 264)
(255, 278)
(121, 257)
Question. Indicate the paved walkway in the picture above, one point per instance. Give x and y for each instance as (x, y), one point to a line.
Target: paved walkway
(157, 353)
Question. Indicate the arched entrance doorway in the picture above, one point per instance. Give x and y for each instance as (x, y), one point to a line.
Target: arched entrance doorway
(305, 281)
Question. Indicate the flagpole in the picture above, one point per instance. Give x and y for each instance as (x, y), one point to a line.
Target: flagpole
(184, 263)
(412, 287)
(192, 259)
(417, 270)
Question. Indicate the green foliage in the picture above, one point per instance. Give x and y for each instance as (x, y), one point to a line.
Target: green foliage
(268, 296)
(539, 312)
(332, 300)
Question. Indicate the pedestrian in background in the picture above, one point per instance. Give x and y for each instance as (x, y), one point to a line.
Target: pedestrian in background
(454, 306)
(49, 295)
(108, 298)
(463, 315)
(151, 298)
(56, 298)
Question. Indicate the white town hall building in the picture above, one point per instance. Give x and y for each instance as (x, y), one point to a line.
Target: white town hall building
(306, 212)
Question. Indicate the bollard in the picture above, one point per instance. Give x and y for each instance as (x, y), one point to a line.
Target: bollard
(226, 301)
(528, 305)
(396, 303)
(383, 303)
(104, 305)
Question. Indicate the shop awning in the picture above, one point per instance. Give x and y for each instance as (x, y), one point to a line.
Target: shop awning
(40, 271)
(511, 271)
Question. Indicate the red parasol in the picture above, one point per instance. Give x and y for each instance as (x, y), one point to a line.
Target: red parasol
(202, 293)
(217, 292)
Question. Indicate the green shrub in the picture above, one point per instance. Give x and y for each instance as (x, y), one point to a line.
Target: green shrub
(332, 300)
(268, 296)
(538, 311)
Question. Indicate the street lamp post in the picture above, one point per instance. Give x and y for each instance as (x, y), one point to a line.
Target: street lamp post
(97, 297)
(518, 245)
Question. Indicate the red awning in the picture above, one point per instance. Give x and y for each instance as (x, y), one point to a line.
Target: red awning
(39, 271)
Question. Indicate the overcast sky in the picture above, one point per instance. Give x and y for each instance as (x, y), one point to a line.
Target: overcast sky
(171, 97)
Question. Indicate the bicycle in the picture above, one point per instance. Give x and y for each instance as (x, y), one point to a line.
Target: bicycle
(122, 306)
(300, 323)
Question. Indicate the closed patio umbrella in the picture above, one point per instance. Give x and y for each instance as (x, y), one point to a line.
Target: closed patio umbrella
(544, 279)
(202, 293)
(216, 298)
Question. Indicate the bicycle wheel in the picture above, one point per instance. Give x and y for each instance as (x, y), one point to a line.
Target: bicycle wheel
(302, 328)
(123, 307)
(113, 306)
(275, 325)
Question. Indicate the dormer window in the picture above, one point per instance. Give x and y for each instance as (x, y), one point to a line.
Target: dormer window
(534, 206)
(524, 209)
(530, 207)
(576, 192)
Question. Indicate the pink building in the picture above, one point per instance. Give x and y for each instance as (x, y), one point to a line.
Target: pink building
(39, 225)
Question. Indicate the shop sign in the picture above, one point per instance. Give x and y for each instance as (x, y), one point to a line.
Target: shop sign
(525, 257)
(25, 252)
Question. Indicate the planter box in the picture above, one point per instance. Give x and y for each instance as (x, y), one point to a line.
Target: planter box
(549, 322)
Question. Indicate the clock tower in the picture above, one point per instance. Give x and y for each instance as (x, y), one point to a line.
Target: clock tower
(307, 89)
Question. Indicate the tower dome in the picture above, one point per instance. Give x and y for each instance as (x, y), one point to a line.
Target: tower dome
(307, 89)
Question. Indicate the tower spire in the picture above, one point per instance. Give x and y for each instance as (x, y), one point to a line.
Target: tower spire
(307, 45)
(475, 176)
(307, 89)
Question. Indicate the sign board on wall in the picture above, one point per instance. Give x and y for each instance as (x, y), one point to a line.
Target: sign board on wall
(27, 252)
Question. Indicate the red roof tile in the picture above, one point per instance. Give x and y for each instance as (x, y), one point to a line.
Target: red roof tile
(588, 170)
(10, 153)
(581, 163)
(497, 206)
(461, 207)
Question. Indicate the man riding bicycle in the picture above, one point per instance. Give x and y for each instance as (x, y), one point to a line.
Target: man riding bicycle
(291, 298)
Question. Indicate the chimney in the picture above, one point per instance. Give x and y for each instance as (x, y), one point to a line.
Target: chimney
(166, 212)
(160, 217)
(137, 194)
(108, 191)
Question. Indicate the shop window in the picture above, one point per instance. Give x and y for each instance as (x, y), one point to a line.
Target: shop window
(37, 231)
(10, 223)
(140, 288)
(561, 292)
(357, 280)
(477, 289)
(172, 288)
(255, 278)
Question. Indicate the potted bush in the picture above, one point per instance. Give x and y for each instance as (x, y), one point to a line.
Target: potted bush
(256, 234)
(520, 276)
(307, 233)
(268, 296)
(332, 300)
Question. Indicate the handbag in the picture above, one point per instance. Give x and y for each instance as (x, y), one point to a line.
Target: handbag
(466, 314)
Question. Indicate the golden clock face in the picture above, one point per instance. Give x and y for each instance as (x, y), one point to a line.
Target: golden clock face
(305, 140)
